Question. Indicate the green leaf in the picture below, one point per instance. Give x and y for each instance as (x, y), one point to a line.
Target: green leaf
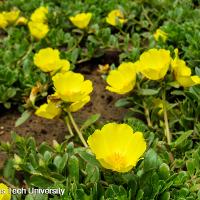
(147, 92)
(73, 168)
(24, 117)
(150, 160)
(91, 120)
(182, 138)
(40, 182)
(190, 164)
(122, 102)
(115, 191)
(36, 197)
(93, 174)
(164, 171)
(165, 196)
(88, 157)
(140, 195)
(60, 162)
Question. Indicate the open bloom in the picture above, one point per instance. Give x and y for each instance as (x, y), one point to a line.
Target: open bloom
(48, 60)
(71, 87)
(38, 30)
(39, 15)
(81, 20)
(117, 147)
(5, 195)
(48, 110)
(160, 34)
(115, 17)
(182, 72)
(154, 63)
(122, 80)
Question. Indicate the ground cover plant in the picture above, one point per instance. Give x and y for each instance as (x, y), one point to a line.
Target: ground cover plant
(146, 53)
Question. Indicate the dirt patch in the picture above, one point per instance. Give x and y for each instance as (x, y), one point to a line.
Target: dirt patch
(102, 102)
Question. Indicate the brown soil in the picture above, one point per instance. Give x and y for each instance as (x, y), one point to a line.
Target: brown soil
(102, 102)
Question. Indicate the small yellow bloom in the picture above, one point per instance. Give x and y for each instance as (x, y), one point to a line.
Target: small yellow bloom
(103, 69)
(117, 147)
(3, 21)
(11, 16)
(48, 110)
(71, 87)
(183, 73)
(79, 104)
(21, 21)
(154, 63)
(160, 34)
(38, 30)
(40, 15)
(115, 17)
(48, 60)
(122, 80)
(5, 195)
(81, 20)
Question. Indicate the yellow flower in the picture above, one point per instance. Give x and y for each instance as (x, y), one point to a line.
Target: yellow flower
(79, 104)
(48, 110)
(5, 194)
(122, 80)
(38, 30)
(160, 34)
(39, 15)
(183, 73)
(115, 17)
(154, 63)
(11, 16)
(21, 21)
(81, 20)
(48, 60)
(117, 147)
(3, 21)
(71, 87)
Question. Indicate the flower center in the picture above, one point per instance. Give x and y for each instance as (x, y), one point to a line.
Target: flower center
(117, 161)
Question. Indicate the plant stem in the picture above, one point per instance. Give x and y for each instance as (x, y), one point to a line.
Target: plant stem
(147, 115)
(167, 131)
(66, 119)
(77, 129)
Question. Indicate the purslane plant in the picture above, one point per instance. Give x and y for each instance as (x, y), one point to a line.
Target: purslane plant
(153, 65)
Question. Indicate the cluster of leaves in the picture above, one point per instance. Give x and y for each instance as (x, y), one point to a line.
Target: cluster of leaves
(75, 169)
(143, 18)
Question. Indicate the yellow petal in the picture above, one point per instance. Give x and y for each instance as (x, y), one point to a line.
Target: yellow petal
(79, 104)
(122, 80)
(11, 16)
(48, 110)
(47, 59)
(81, 20)
(5, 194)
(115, 17)
(3, 21)
(160, 34)
(71, 87)
(154, 63)
(39, 15)
(21, 21)
(38, 30)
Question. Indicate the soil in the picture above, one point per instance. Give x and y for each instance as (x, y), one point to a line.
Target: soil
(102, 102)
